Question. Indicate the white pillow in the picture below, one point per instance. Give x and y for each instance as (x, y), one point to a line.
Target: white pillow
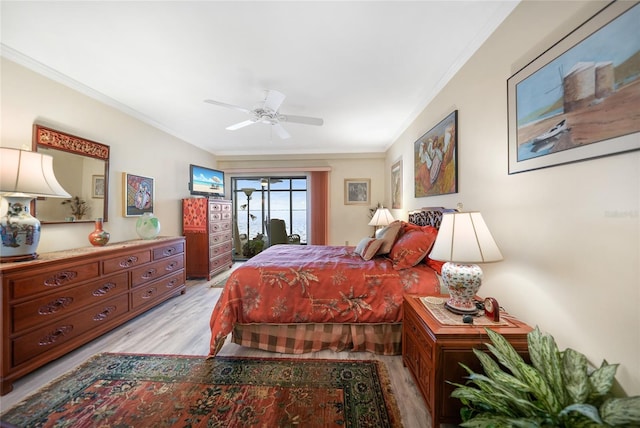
(368, 247)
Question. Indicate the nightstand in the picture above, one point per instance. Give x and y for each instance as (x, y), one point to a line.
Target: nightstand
(432, 351)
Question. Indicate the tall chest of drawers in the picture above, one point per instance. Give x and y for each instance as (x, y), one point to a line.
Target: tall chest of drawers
(62, 300)
(206, 224)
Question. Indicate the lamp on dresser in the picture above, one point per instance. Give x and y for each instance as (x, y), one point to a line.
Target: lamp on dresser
(23, 176)
(463, 240)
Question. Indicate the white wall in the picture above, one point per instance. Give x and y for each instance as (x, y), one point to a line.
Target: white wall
(136, 148)
(570, 235)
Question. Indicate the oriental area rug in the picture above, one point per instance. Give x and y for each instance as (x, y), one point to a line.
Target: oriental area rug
(133, 390)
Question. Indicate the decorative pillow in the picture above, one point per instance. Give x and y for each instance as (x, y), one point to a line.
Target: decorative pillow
(368, 247)
(388, 236)
(412, 247)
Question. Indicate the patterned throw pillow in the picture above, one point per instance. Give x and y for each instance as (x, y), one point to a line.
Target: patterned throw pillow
(388, 236)
(368, 247)
(412, 247)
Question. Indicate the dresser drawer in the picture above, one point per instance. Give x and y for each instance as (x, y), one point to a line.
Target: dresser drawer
(220, 227)
(54, 306)
(56, 334)
(147, 294)
(156, 270)
(217, 238)
(126, 261)
(223, 260)
(45, 280)
(168, 251)
(220, 249)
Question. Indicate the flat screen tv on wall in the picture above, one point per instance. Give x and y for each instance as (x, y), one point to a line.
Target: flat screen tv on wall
(206, 181)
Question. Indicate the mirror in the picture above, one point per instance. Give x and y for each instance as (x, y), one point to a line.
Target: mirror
(82, 168)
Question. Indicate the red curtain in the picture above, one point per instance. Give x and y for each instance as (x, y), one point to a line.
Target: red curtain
(319, 208)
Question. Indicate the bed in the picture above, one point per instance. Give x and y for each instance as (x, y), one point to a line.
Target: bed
(305, 298)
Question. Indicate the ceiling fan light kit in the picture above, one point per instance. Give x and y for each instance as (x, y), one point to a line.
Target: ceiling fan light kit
(267, 112)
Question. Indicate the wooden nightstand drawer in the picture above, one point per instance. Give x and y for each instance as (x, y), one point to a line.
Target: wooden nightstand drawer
(433, 351)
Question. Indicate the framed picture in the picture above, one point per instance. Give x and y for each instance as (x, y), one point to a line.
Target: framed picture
(138, 194)
(574, 102)
(396, 185)
(97, 186)
(357, 191)
(435, 159)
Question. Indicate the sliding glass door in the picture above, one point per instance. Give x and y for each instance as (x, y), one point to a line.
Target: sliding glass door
(257, 200)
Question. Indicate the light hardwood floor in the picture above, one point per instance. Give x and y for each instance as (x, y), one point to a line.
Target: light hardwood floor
(181, 326)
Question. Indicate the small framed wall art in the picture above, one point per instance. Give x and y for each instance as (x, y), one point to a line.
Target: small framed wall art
(138, 194)
(97, 186)
(357, 191)
(396, 185)
(435, 159)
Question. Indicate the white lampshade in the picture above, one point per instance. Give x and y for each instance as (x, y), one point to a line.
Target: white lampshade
(23, 176)
(28, 173)
(382, 217)
(465, 238)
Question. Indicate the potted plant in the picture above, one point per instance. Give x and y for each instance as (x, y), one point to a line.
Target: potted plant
(253, 246)
(79, 207)
(557, 389)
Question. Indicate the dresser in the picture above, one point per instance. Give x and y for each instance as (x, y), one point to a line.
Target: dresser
(433, 350)
(64, 299)
(206, 226)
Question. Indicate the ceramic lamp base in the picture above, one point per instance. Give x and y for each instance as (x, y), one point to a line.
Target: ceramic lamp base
(19, 230)
(463, 282)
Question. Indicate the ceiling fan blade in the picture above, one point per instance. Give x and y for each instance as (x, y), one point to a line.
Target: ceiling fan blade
(282, 133)
(301, 119)
(221, 104)
(240, 125)
(273, 100)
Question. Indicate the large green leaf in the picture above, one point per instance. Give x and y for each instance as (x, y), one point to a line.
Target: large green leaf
(575, 376)
(504, 352)
(539, 388)
(621, 411)
(546, 358)
(601, 380)
(479, 398)
(499, 422)
(587, 410)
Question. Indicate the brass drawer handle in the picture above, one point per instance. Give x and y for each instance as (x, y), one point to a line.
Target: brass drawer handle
(60, 278)
(104, 289)
(56, 334)
(149, 293)
(129, 261)
(55, 306)
(104, 314)
(149, 274)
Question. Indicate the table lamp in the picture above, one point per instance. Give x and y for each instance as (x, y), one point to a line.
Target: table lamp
(463, 240)
(382, 217)
(23, 176)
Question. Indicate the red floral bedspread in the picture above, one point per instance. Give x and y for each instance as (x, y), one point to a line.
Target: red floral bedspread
(316, 284)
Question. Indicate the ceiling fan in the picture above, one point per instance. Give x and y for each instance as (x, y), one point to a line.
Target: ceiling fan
(267, 111)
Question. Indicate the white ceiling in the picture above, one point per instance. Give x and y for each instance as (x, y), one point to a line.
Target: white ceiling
(366, 67)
